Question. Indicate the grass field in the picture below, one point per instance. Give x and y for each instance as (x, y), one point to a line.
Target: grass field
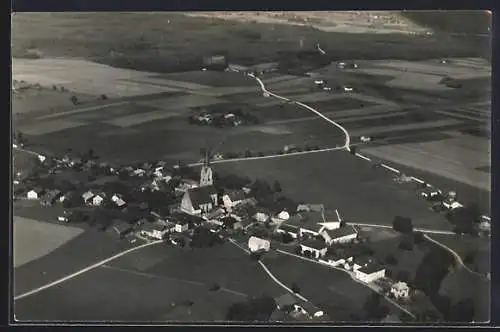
(33, 239)
(23, 102)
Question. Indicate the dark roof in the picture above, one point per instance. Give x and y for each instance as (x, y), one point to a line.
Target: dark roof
(229, 221)
(371, 268)
(286, 300)
(289, 228)
(236, 195)
(341, 232)
(121, 225)
(311, 217)
(201, 195)
(315, 244)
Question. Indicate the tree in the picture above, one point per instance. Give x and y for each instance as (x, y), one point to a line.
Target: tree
(403, 276)
(214, 287)
(402, 225)
(418, 237)
(74, 100)
(352, 150)
(103, 97)
(391, 260)
(286, 238)
(277, 186)
(248, 153)
(406, 243)
(295, 288)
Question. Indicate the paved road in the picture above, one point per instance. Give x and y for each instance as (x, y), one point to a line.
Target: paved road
(423, 230)
(89, 268)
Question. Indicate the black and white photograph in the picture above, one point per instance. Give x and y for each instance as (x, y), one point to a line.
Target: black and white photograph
(244, 167)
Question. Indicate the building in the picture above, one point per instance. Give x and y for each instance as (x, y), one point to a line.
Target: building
(316, 247)
(261, 216)
(153, 231)
(430, 193)
(232, 223)
(199, 200)
(118, 200)
(121, 228)
(98, 199)
(400, 290)
(293, 231)
(87, 196)
(256, 244)
(181, 226)
(361, 262)
(340, 235)
(286, 302)
(369, 273)
(283, 215)
(233, 198)
(451, 204)
(311, 208)
(35, 193)
(336, 260)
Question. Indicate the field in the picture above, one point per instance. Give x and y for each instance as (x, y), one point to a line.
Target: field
(34, 239)
(141, 287)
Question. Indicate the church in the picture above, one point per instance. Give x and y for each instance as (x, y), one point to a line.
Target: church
(202, 199)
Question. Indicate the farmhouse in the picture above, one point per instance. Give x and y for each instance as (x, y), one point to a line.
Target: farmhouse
(450, 203)
(121, 228)
(293, 231)
(334, 259)
(400, 290)
(118, 200)
(231, 223)
(370, 273)
(35, 193)
(314, 247)
(361, 262)
(233, 198)
(181, 226)
(155, 231)
(261, 216)
(340, 235)
(256, 244)
(87, 196)
(199, 200)
(98, 199)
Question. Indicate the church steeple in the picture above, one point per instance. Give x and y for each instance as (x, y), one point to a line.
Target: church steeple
(206, 176)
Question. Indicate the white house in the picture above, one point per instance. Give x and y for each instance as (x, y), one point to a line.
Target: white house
(181, 226)
(451, 204)
(199, 200)
(118, 200)
(98, 199)
(256, 244)
(400, 290)
(155, 231)
(139, 172)
(340, 235)
(316, 247)
(41, 158)
(86, 196)
(369, 273)
(283, 215)
(35, 193)
(430, 193)
(290, 229)
(261, 217)
(233, 198)
(335, 260)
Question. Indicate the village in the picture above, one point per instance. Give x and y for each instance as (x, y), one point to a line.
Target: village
(151, 201)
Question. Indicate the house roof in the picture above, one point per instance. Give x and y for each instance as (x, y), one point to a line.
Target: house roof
(236, 195)
(341, 232)
(121, 225)
(201, 195)
(286, 300)
(371, 268)
(314, 244)
(310, 207)
(289, 228)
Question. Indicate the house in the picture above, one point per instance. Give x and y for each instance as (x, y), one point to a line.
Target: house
(50, 197)
(293, 231)
(98, 199)
(256, 244)
(283, 215)
(139, 172)
(121, 228)
(118, 200)
(430, 193)
(311, 208)
(86, 196)
(181, 226)
(153, 231)
(344, 234)
(311, 310)
(335, 259)
(233, 198)
(231, 223)
(369, 273)
(400, 290)
(214, 214)
(450, 203)
(199, 200)
(261, 216)
(361, 262)
(315, 247)
(35, 193)
(285, 302)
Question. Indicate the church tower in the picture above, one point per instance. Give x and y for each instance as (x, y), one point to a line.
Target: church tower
(206, 176)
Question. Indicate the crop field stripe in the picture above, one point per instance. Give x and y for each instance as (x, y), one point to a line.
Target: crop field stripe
(89, 268)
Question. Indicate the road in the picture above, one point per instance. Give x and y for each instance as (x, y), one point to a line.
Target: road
(352, 277)
(89, 268)
(423, 230)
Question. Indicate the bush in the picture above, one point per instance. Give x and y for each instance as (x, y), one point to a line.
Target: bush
(402, 225)
(103, 97)
(74, 100)
(403, 276)
(214, 287)
(418, 237)
(248, 154)
(406, 243)
(391, 260)
(295, 288)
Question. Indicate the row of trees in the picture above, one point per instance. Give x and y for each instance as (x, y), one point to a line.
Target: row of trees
(249, 154)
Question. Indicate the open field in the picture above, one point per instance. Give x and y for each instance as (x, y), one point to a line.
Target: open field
(23, 101)
(34, 239)
(142, 285)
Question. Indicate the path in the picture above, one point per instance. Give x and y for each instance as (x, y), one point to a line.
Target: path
(89, 268)
(423, 230)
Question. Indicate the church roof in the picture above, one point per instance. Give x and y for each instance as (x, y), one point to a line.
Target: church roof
(201, 195)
